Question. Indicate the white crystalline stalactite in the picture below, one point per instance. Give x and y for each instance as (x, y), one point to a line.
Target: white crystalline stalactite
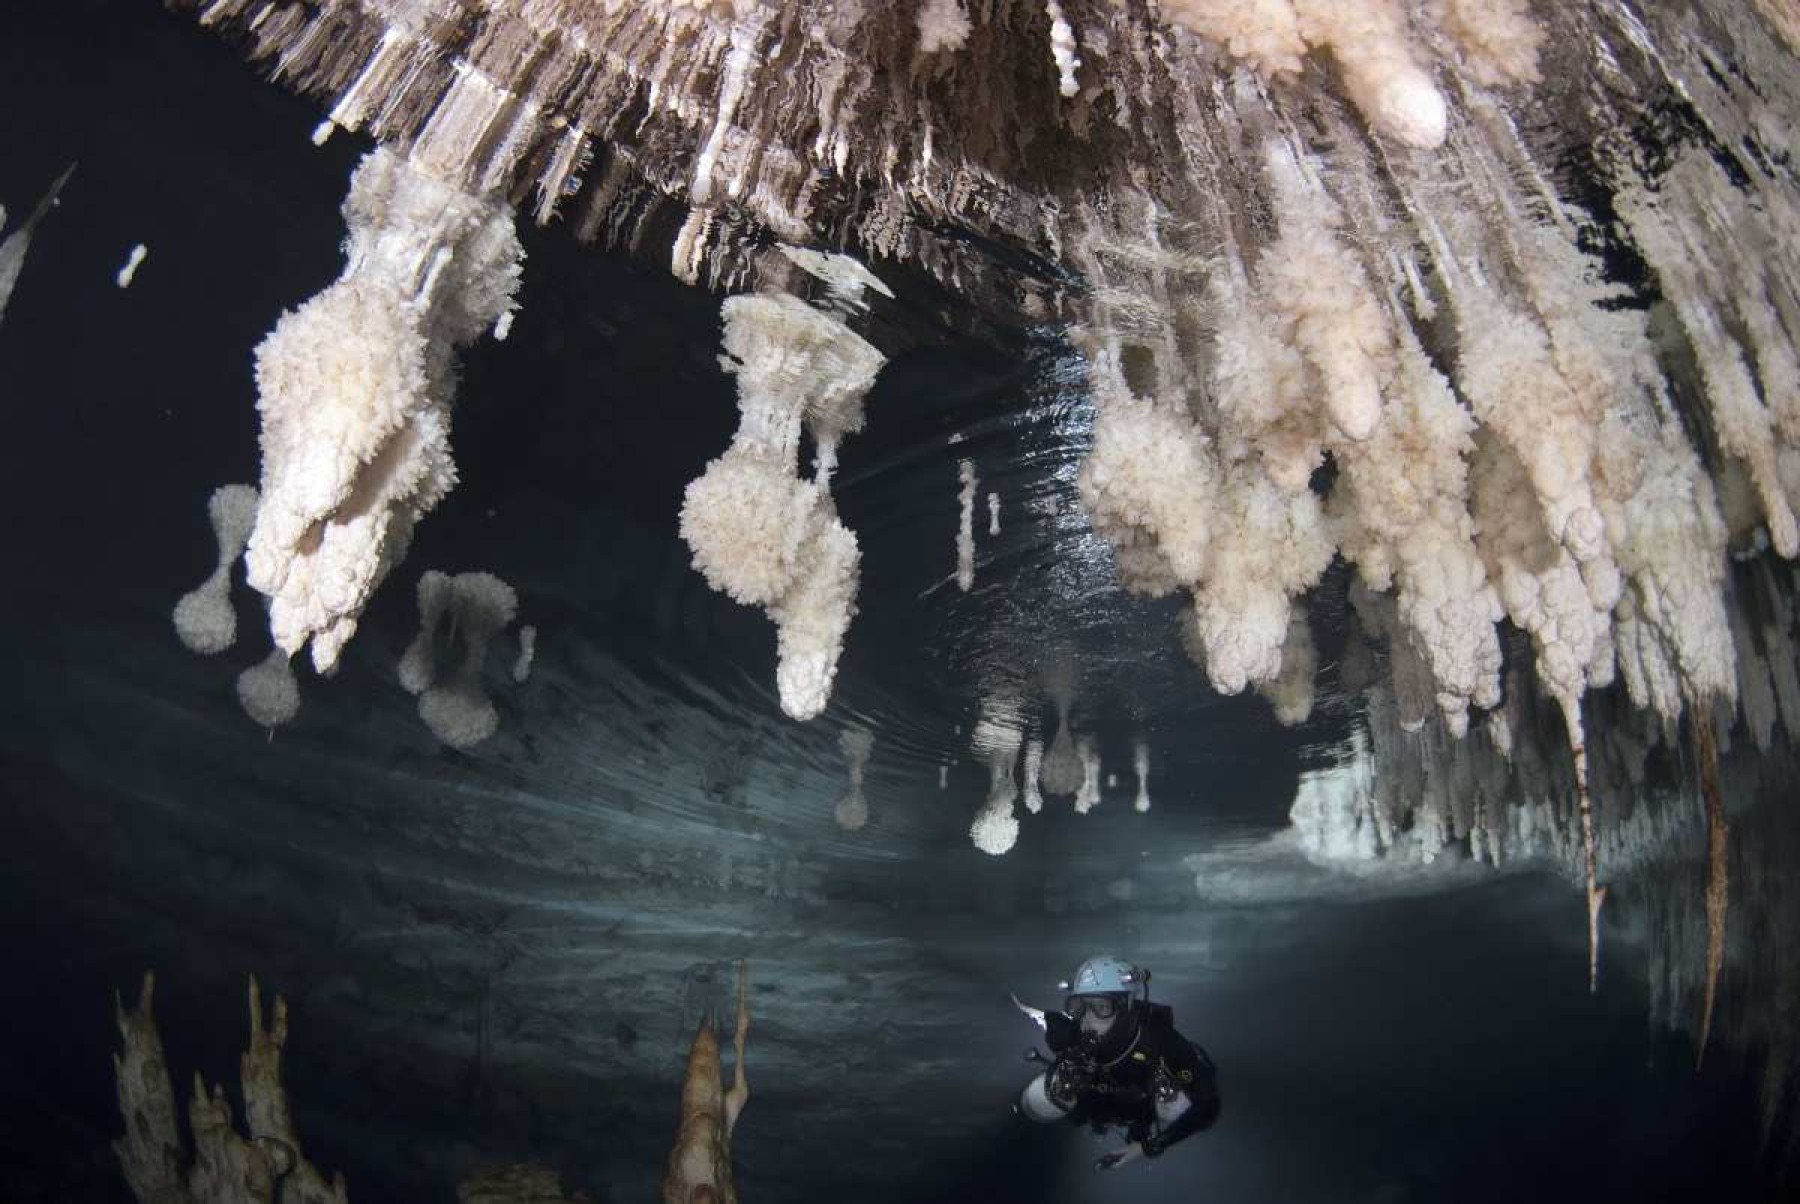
(996, 740)
(1543, 591)
(453, 701)
(355, 389)
(1177, 519)
(1697, 234)
(1140, 764)
(1373, 51)
(993, 504)
(1402, 510)
(1519, 393)
(1263, 33)
(1149, 484)
(943, 26)
(521, 670)
(1670, 624)
(1062, 49)
(1368, 41)
(1269, 546)
(1320, 300)
(204, 618)
(852, 811)
(965, 526)
(1498, 40)
(760, 532)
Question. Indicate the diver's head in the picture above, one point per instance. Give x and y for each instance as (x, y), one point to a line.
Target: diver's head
(1097, 1013)
(1100, 994)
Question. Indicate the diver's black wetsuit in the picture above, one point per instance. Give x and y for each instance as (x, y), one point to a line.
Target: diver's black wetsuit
(1117, 1080)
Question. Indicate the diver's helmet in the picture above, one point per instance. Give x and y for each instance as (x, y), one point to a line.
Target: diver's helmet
(1103, 975)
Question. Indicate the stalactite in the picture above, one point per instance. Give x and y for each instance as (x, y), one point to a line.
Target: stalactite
(760, 532)
(355, 389)
(1718, 870)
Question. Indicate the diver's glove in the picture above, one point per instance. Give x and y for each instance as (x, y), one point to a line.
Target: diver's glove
(1130, 1153)
(1060, 1031)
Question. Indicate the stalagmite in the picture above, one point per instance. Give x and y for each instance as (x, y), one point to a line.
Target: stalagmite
(204, 617)
(993, 505)
(355, 390)
(699, 1165)
(852, 811)
(227, 1167)
(150, 1151)
(760, 532)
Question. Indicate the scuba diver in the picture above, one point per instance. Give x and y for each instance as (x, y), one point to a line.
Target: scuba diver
(1120, 1063)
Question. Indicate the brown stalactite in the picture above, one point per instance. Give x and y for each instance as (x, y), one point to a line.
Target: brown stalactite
(1718, 868)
